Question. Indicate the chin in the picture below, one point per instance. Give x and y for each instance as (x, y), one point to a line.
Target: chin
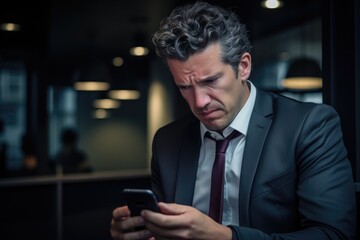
(214, 127)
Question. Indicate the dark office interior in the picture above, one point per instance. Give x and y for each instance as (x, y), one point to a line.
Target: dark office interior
(54, 45)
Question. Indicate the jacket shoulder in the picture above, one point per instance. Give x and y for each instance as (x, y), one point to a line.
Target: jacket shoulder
(179, 126)
(283, 104)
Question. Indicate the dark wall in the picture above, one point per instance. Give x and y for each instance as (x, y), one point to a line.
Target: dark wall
(341, 45)
(58, 209)
(28, 211)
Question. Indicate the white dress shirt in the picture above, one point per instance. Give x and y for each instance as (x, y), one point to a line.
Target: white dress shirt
(233, 162)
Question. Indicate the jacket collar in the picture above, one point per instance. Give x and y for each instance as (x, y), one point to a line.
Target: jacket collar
(260, 122)
(259, 125)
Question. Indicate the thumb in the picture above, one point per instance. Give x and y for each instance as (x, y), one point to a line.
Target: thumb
(171, 208)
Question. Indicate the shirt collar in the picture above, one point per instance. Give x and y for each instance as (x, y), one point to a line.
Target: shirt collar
(240, 122)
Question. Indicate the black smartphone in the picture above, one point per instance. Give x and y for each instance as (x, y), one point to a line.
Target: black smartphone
(140, 199)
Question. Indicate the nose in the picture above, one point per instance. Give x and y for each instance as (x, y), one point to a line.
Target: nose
(201, 97)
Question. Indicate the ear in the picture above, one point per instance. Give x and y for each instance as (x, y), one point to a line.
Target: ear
(245, 66)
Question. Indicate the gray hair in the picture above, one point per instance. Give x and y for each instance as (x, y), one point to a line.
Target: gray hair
(191, 28)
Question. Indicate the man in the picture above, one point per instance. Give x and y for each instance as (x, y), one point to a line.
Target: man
(286, 175)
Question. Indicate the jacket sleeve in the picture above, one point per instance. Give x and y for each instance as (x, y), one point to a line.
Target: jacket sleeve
(325, 188)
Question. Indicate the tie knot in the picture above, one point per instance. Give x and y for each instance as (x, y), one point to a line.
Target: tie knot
(221, 145)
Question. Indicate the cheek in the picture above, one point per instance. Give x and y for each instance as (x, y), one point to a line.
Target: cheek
(230, 97)
(221, 95)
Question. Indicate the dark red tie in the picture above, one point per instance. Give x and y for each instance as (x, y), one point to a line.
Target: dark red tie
(217, 177)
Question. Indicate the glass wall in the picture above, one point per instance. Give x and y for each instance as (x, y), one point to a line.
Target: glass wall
(273, 55)
(12, 116)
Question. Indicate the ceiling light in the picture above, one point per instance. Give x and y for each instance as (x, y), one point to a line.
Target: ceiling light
(93, 76)
(139, 51)
(91, 86)
(124, 94)
(271, 4)
(10, 27)
(106, 103)
(118, 61)
(138, 47)
(101, 114)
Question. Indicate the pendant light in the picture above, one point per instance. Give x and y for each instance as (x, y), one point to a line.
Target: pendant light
(303, 74)
(95, 76)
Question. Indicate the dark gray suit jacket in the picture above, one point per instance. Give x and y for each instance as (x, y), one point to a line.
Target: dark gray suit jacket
(296, 181)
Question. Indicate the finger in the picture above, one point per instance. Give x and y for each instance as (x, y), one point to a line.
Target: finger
(138, 235)
(165, 233)
(172, 208)
(162, 221)
(121, 213)
(128, 224)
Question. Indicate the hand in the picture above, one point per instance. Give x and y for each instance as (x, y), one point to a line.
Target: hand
(123, 225)
(184, 222)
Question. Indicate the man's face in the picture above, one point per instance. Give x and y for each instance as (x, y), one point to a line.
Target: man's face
(211, 88)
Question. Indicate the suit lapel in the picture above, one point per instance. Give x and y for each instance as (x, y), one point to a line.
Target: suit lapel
(188, 163)
(259, 125)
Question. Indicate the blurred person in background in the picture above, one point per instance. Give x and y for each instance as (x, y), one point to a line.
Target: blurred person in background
(30, 160)
(70, 159)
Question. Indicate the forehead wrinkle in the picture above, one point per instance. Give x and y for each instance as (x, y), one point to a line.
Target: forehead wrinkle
(192, 77)
(188, 75)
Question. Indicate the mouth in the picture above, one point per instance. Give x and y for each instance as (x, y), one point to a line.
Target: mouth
(212, 114)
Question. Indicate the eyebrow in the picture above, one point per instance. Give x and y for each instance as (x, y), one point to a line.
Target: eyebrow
(217, 75)
(210, 78)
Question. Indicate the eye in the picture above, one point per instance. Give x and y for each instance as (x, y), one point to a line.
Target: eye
(210, 81)
(184, 87)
